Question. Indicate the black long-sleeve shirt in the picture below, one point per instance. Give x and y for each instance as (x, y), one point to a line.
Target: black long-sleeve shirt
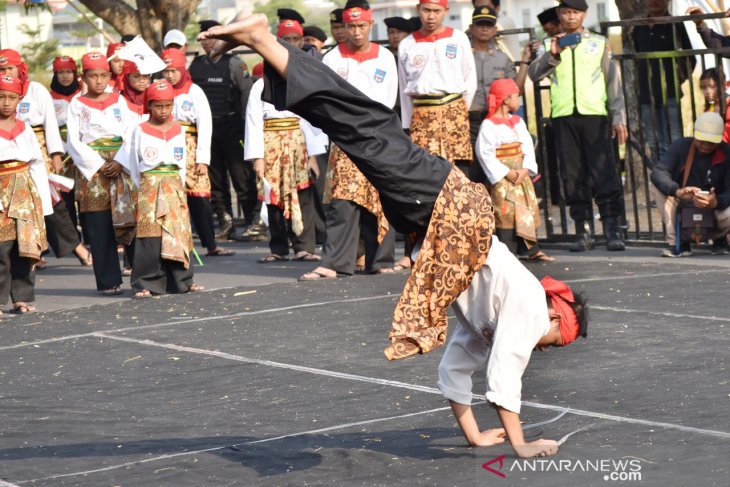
(708, 171)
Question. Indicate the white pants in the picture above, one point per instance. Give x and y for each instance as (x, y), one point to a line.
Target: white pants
(463, 355)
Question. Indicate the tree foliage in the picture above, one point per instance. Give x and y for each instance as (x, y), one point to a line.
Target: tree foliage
(37, 54)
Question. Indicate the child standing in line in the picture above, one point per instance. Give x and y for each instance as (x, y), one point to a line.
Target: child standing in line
(154, 156)
(24, 199)
(506, 153)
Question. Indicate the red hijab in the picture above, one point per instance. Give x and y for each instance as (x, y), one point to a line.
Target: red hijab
(175, 58)
(134, 98)
(499, 90)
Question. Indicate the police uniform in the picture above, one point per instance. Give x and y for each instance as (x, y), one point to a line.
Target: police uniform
(585, 88)
(227, 87)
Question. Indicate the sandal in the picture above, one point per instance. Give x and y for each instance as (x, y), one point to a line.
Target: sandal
(305, 256)
(541, 256)
(85, 261)
(114, 291)
(21, 308)
(143, 294)
(127, 271)
(41, 264)
(220, 252)
(195, 288)
(359, 269)
(272, 258)
(385, 270)
(316, 275)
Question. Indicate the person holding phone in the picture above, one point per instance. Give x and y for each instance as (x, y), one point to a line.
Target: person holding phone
(579, 112)
(706, 186)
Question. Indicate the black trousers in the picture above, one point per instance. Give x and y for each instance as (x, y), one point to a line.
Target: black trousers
(156, 274)
(319, 207)
(17, 275)
(226, 160)
(476, 173)
(61, 232)
(587, 166)
(514, 242)
(70, 201)
(408, 178)
(201, 213)
(346, 221)
(103, 242)
(280, 228)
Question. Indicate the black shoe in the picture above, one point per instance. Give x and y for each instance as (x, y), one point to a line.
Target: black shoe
(719, 247)
(225, 227)
(614, 235)
(584, 241)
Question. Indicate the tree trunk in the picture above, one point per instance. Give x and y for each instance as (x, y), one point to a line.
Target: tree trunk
(151, 19)
(629, 9)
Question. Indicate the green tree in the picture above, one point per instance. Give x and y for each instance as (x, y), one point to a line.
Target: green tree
(37, 54)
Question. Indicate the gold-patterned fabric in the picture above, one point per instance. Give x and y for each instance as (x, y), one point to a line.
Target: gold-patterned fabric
(162, 211)
(123, 200)
(455, 247)
(442, 129)
(40, 135)
(21, 216)
(93, 194)
(345, 182)
(515, 206)
(195, 184)
(286, 170)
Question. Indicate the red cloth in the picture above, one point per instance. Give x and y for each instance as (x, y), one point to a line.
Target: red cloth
(8, 83)
(112, 48)
(94, 60)
(443, 3)
(289, 26)
(11, 57)
(132, 95)
(356, 14)
(64, 62)
(560, 295)
(159, 90)
(175, 58)
(499, 90)
(258, 71)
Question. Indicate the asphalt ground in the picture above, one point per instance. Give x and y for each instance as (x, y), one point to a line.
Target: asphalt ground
(264, 381)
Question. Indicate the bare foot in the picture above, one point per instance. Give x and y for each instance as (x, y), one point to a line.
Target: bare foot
(242, 30)
(324, 272)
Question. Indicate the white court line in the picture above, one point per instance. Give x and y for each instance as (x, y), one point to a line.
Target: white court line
(660, 313)
(643, 276)
(194, 320)
(6, 484)
(217, 448)
(404, 385)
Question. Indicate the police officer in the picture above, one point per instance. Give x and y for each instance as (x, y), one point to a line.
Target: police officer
(579, 115)
(226, 83)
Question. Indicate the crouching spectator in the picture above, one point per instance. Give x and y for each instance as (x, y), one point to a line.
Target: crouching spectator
(695, 173)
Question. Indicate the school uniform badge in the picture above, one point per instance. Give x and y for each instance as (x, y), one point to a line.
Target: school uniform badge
(451, 50)
(379, 75)
(178, 153)
(24, 107)
(149, 154)
(85, 115)
(118, 114)
(187, 106)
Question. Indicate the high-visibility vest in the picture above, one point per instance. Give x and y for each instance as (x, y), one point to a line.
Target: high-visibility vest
(578, 85)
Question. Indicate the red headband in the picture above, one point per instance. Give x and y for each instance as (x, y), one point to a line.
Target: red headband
(94, 60)
(11, 57)
(112, 48)
(8, 83)
(443, 3)
(174, 58)
(159, 90)
(289, 27)
(560, 295)
(356, 14)
(499, 90)
(64, 62)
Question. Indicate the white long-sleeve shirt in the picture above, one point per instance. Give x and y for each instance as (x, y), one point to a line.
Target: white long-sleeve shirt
(89, 120)
(502, 315)
(36, 108)
(373, 72)
(60, 105)
(257, 111)
(437, 64)
(21, 144)
(148, 147)
(193, 107)
(492, 135)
